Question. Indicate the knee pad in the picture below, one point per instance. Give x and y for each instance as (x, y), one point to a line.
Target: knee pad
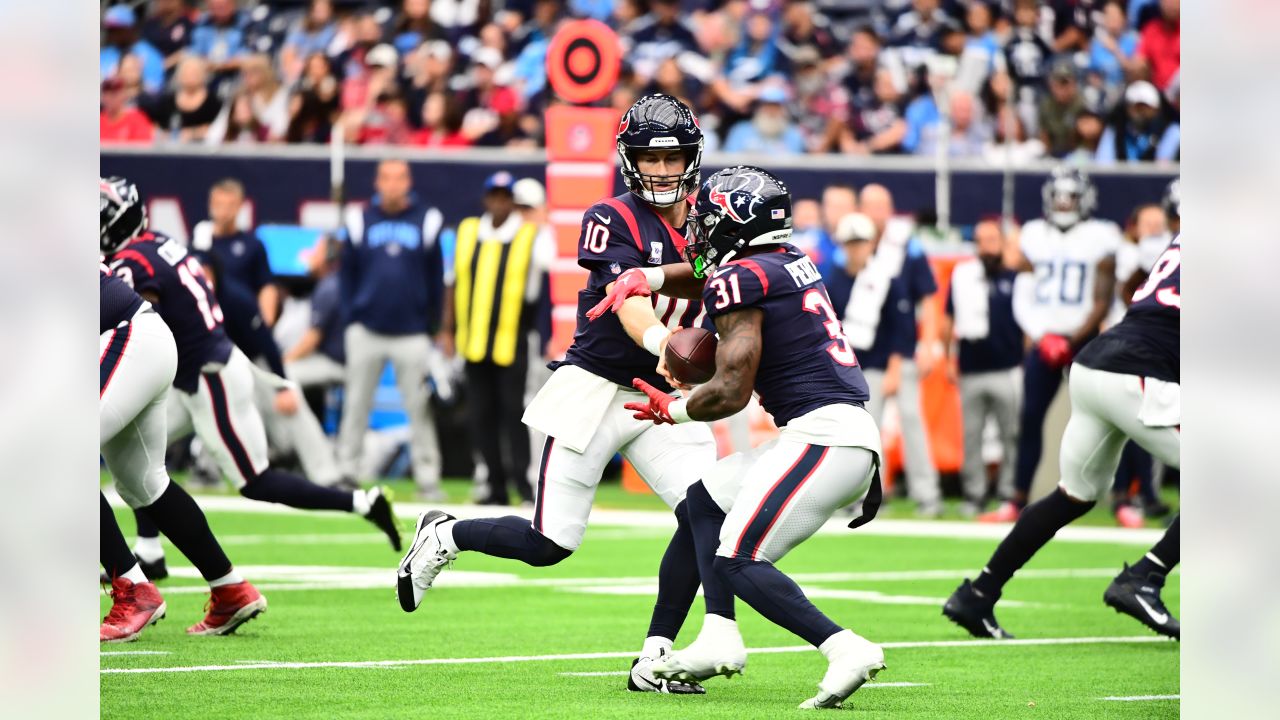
(545, 551)
(1081, 490)
(146, 492)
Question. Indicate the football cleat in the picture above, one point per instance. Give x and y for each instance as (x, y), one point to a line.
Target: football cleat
(1139, 598)
(1130, 517)
(855, 662)
(381, 515)
(1006, 513)
(155, 571)
(718, 650)
(641, 679)
(974, 613)
(427, 556)
(133, 607)
(229, 607)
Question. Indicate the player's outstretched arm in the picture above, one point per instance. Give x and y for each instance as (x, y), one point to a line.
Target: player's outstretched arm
(674, 280)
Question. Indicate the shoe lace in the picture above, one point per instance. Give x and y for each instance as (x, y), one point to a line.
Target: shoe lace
(122, 604)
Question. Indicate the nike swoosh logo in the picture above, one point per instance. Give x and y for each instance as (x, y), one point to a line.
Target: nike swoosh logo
(992, 629)
(655, 685)
(603, 219)
(1160, 618)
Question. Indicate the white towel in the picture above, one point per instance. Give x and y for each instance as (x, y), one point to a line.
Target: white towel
(862, 313)
(970, 292)
(202, 235)
(570, 406)
(1161, 403)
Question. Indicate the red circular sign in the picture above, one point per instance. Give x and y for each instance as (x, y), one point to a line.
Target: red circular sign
(583, 61)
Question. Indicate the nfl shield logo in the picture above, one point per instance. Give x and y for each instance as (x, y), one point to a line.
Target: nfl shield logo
(777, 213)
(655, 253)
(615, 268)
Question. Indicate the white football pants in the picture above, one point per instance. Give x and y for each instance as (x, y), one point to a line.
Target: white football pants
(223, 415)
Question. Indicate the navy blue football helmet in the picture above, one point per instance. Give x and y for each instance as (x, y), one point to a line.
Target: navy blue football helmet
(121, 214)
(660, 122)
(738, 207)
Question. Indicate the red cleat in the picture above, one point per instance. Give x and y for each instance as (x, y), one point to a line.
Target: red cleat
(133, 608)
(1130, 517)
(1006, 513)
(229, 607)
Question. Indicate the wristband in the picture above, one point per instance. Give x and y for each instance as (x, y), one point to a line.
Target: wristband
(678, 410)
(653, 338)
(655, 276)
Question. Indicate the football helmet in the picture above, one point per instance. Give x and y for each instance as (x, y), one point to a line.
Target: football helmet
(1172, 201)
(121, 214)
(660, 122)
(738, 207)
(1069, 196)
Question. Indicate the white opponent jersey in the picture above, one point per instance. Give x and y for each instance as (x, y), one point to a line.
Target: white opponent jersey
(1057, 298)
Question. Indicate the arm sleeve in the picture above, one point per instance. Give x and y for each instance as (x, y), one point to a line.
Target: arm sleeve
(270, 351)
(606, 246)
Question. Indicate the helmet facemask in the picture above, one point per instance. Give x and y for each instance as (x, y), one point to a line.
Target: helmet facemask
(642, 183)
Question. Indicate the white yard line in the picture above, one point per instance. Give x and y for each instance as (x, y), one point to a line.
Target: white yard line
(1141, 698)
(953, 529)
(112, 653)
(622, 654)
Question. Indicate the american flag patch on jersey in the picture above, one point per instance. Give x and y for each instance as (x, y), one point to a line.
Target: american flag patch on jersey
(777, 213)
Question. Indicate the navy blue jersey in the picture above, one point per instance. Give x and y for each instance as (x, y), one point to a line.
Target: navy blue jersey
(116, 301)
(327, 317)
(1146, 342)
(617, 234)
(1002, 348)
(157, 264)
(806, 362)
(244, 325)
(242, 257)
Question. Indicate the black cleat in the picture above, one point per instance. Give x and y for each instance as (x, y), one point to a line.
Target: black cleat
(974, 613)
(1139, 598)
(641, 679)
(380, 514)
(155, 571)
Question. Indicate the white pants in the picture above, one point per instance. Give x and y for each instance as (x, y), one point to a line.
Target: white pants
(223, 415)
(1104, 415)
(998, 395)
(315, 369)
(137, 362)
(923, 485)
(788, 490)
(299, 432)
(367, 354)
(669, 458)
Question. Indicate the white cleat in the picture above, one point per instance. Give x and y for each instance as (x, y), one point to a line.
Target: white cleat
(718, 650)
(854, 661)
(427, 556)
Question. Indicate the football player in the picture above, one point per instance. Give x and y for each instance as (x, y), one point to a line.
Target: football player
(213, 377)
(581, 407)
(1124, 385)
(1060, 308)
(137, 360)
(781, 338)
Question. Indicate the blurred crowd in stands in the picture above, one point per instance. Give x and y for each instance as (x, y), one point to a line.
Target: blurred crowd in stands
(1004, 80)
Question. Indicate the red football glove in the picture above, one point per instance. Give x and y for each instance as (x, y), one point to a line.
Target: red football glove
(631, 283)
(657, 409)
(1055, 350)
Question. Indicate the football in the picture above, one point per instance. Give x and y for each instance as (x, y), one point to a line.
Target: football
(691, 355)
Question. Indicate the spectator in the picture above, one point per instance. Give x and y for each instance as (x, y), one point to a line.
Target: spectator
(628, 16)
(821, 105)
(315, 361)
(353, 66)
(769, 131)
(392, 285)
(1086, 136)
(1018, 150)
(168, 29)
(981, 56)
(456, 17)
(1059, 107)
(540, 26)
(241, 256)
(310, 34)
(970, 131)
(387, 123)
(192, 107)
(1026, 56)
(659, 35)
(803, 28)
(1072, 24)
(121, 40)
(979, 318)
(120, 122)
(260, 109)
(427, 71)
(414, 26)
(877, 127)
(864, 61)
(1138, 129)
(1160, 44)
(1114, 48)
(362, 95)
(442, 123)
(838, 200)
(806, 230)
(497, 354)
(492, 118)
(219, 36)
(917, 35)
(314, 105)
(671, 80)
(756, 57)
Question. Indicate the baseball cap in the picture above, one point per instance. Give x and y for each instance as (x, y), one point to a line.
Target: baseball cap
(487, 56)
(1063, 68)
(855, 227)
(382, 55)
(500, 180)
(1142, 93)
(529, 193)
(773, 94)
(119, 16)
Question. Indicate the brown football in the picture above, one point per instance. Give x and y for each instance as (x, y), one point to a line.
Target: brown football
(691, 355)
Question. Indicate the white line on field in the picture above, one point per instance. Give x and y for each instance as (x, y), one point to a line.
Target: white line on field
(112, 653)
(1141, 698)
(619, 673)
(952, 529)
(624, 654)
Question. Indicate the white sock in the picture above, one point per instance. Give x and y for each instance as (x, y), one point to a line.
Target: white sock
(231, 578)
(655, 646)
(149, 549)
(361, 503)
(717, 625)
(1155, 560)
(835, 644)
(445, 530)
(135, 575)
